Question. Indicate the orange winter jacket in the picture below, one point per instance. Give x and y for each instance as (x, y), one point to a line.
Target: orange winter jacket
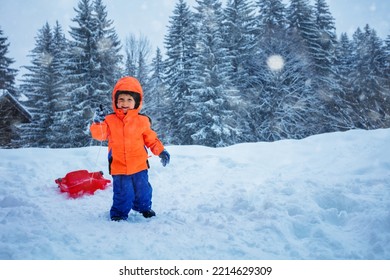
(128, 134)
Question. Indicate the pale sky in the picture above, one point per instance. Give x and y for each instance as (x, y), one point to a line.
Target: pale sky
(20, 20)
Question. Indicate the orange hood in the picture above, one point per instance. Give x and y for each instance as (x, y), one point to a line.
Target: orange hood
(127, 84)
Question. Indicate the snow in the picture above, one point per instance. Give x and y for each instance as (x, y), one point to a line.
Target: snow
(275, 62)
(323, 197)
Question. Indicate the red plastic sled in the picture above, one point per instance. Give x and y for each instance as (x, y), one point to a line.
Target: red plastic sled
(80, 182)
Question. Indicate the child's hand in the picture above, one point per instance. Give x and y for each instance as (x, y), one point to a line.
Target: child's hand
(99, 115)
(165, 157)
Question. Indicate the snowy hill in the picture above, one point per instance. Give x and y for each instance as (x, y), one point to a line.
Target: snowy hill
(324, 197)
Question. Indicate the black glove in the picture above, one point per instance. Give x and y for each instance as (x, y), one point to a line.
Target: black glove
(99, 115)
(165, 157)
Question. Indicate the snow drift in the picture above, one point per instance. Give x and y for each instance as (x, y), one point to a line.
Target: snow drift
(323, 197)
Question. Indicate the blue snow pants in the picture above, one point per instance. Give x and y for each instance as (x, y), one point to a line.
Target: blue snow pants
(131, 192)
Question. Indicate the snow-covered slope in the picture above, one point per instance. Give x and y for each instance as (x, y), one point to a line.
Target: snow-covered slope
(324, 197)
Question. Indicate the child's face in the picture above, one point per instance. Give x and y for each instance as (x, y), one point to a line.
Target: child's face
(125, 102)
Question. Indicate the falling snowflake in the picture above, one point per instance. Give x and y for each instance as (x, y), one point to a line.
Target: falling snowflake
(104, 45)
(46, 59)
(275, 62)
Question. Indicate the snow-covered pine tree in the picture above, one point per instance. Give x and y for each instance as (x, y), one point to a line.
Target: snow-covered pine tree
(387, 65)
(143, 72)
(341, 100)
(344, 60)
(7, 74)
(131, 51)
(284, 107)
(239, 37)
(82, 65)
(287, 110)
(271, 17)
(301, 23)
(272, 41)
(368, 79)
(180, 49)
(240, 40)
(285, 104)
(154, 100)
(39, 85)
(210, 119)
(325, 56)
(61, 103)
(327, 89)
(93, 61)
(7, 83)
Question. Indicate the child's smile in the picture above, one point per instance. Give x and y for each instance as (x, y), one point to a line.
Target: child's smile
(125, 102)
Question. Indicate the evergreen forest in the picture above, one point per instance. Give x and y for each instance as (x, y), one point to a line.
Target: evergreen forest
(229, 72)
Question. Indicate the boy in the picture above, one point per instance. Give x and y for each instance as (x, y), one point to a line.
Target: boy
(128, 135)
